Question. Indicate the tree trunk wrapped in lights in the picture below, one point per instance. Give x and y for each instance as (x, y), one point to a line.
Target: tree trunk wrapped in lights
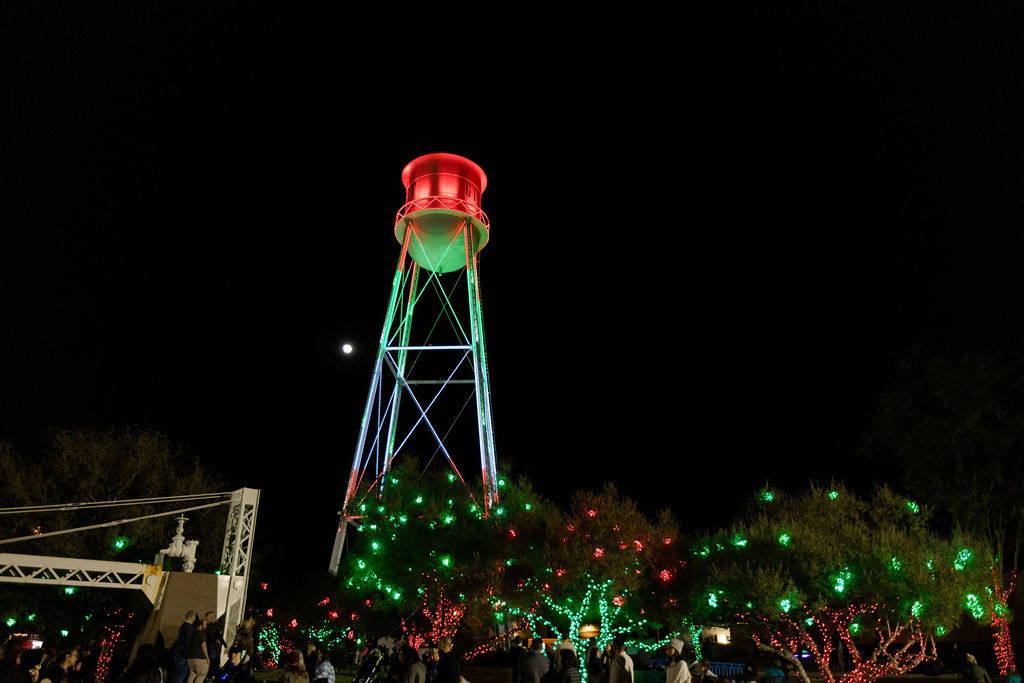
(440, 615)
(999, 613)
(825, 568)
(599, 603)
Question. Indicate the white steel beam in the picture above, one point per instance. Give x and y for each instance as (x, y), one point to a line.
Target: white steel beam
(69, 571)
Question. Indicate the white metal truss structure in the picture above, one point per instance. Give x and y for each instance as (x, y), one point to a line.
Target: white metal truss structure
(148, 578)
(68, 571)
(235, 560)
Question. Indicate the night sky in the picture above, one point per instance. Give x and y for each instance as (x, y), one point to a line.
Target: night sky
(708, 244)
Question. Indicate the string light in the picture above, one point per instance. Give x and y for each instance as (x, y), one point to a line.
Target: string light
(998, 599)
(114, 626)
(962, 559)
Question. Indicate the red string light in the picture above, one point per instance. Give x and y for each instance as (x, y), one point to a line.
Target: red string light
(1001, 622)
(114, 627)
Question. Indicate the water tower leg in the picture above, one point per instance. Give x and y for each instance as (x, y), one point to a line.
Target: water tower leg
(357, 461)
(488, 466)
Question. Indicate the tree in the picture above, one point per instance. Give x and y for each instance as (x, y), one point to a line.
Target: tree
(603, 563)
(954, 428)
(423, 534)
(84, 465)
(826, 569)
(954, 425)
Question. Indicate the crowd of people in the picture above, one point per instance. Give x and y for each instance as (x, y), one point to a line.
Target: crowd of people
(531, 661)
(195, 657)
(534, 661)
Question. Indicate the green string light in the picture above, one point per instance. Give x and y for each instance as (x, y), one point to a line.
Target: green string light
(974, 606)
(963, 558)
(842, 578)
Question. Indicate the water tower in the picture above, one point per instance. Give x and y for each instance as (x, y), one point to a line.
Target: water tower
(442, 229)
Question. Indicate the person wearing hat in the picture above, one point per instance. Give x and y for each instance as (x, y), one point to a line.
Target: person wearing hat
(235, 670)
(621, 669)
(430, 659)
(677, 670)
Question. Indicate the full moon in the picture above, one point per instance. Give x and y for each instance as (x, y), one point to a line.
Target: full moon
(346, 348)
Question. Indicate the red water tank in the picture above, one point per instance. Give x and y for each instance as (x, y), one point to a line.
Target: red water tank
(442, 195)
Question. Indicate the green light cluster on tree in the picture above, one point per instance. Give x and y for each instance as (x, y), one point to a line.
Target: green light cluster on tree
(963, 558)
